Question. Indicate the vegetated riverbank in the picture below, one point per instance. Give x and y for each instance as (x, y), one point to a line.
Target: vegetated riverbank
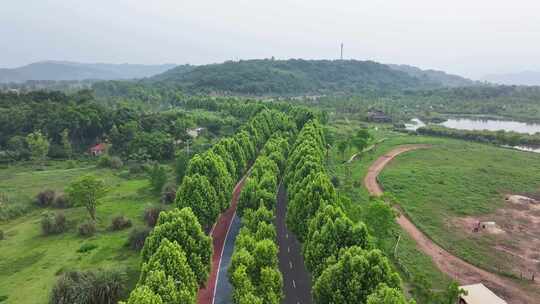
(500, 137)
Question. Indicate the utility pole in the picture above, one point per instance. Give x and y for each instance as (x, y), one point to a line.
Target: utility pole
(341, 51)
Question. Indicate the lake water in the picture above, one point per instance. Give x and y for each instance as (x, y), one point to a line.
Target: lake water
(484, 124)
(481, 124)
(491, 125)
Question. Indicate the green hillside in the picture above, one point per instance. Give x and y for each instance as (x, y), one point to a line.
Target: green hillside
(293, 77)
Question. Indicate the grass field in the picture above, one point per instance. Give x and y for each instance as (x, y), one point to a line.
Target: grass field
(30, 261)
(413, 263)
(436, 186)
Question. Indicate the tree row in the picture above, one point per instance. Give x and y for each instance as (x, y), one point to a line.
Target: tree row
(341, 255)
(254, 272)
(177, 253)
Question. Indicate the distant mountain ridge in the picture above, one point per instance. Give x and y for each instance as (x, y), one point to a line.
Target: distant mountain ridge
(445, 79)
(527, 78)
(298, 76)
(65, 70)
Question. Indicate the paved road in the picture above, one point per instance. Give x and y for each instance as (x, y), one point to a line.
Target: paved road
(223, 294)
(219, 234)
(455, 267)
(296, 278)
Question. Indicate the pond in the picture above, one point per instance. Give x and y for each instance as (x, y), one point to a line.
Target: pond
(484, 124)
(481, 124)
(491, 125)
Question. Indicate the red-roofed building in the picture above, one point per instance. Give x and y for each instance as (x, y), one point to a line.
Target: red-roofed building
(98, 149)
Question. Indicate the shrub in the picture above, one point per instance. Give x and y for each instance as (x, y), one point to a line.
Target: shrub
(136, 238)
(53, 223)
(335, 181)
(120, 222)
(86, 247)
(70, 164)
(1, 235)
(135, 167)
(101, 286)
(104, 161)
(151, 215)
(45, 198)
(168, 193)
(88, 228)
(107, 161)
(157, 176)
(62, 201)
(116, 163)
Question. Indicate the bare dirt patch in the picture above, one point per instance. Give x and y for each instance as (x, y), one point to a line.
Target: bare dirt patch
(517, 230)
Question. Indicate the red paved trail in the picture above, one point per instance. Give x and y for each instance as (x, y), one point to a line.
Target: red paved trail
(219, 234)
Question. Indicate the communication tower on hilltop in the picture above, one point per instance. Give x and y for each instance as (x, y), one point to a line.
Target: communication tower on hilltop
(341, 57)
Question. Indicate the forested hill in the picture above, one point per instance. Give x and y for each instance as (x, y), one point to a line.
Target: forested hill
(445, 79)
(294, 77)
(63, 70)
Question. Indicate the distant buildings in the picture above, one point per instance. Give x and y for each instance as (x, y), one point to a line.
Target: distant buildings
(98, 149)
(378, 116)
(194, 133)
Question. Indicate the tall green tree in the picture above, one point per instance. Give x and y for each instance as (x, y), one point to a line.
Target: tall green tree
(329, 232)
(354, 276)
(171, 260)
(197, 193)
(87, 191)
(212, 166)
(143, 295)
(342, 146)
(386, 295)
(39, 145)
(66, 144)
(157, 176)
(182, 226)
(180, 165)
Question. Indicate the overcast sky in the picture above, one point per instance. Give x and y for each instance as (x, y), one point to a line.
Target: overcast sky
(467, 37)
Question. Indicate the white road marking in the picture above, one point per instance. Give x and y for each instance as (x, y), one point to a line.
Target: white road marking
(293, 283)
(286, 235)
(290, 264)
(288, 249)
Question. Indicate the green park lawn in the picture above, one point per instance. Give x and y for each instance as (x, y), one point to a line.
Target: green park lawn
(438, 185)
(452, 179)
(30, 262)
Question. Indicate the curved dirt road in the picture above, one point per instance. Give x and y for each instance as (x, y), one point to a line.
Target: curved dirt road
(455, 267)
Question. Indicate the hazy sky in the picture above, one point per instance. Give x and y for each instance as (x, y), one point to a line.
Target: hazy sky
(468, 37)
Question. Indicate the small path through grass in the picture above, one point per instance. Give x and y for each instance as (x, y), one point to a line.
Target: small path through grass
(455, 267)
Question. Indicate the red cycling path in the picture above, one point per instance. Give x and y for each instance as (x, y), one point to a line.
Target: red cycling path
(219, 235)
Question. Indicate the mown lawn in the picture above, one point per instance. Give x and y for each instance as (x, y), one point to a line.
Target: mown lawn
(30, 261)
(437, 185)
(414, 264)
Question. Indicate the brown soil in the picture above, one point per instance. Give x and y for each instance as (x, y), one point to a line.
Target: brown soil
(453, 266)
(520, 242)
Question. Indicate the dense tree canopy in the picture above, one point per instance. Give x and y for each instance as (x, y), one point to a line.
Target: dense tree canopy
(182, 226)
(354, 276)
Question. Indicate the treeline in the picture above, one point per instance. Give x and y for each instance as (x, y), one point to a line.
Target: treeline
(341, 255)
(494, 137)
(80, 120)
(177, 253)
(254, 272)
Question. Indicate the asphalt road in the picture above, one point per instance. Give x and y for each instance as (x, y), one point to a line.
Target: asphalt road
(296, 278)
(223, 292)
